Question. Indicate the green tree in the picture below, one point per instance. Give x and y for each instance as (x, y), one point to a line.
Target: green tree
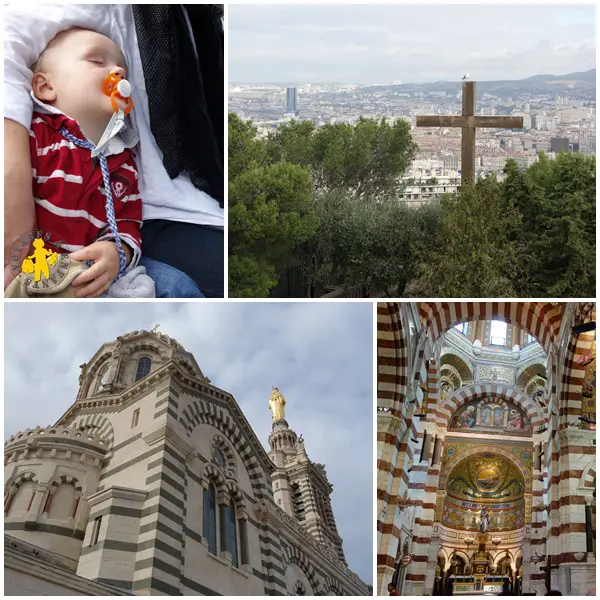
(246, 149)
(367, 159)
(467, 263)
(560, 225)
(271, 211)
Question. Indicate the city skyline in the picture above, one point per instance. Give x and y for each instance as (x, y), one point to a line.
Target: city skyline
(320, 356)
(368, 44)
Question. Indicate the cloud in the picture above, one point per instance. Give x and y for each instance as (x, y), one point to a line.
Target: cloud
(319, 354)
(379, 44)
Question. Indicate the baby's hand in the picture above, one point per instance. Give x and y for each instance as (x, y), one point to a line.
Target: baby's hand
(102, 273)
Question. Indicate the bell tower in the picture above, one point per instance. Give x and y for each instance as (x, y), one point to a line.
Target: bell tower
(300, 486)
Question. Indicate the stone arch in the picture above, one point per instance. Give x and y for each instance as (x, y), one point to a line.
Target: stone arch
(236, 494)
(462, 554)
(458, 366)
(392, 359)
(528, 372)
(22, 477)
(66, 479)
(291, 554)
(202, 412)
(587, 482)
(143, 347)
(539, 319)
(211, 473)
(333, 585)
(449, 466)
(479, 391)
(89, 386)
(100, 423)
(12, 488)
(573, 372)
(49, 501)
(218, 441)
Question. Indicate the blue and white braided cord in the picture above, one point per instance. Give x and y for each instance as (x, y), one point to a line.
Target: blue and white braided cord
(110, 207)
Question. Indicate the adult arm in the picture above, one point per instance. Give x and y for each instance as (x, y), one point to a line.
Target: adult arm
(27, 30)
(19, 207)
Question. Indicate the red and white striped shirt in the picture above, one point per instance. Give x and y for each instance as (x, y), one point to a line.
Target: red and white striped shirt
(69, 190)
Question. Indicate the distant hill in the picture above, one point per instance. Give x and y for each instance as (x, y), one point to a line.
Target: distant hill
(537, 84)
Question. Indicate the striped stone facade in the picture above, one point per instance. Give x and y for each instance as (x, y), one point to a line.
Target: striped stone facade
(413, 417)
(145, 452)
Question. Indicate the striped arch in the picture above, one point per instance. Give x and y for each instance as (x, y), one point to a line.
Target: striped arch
(496, 449)
(237, 495)
(588, 477)
(539, 319)
(66, 479)
(392, 360)
(21, 478)
(203, 412)
(218, 441)
(212, 473)
(141, 347)
(291, 554)
(479, 391)
(98, 422)
(573, 377)
(333, 585)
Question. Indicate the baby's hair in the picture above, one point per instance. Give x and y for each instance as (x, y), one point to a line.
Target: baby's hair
(38, 65)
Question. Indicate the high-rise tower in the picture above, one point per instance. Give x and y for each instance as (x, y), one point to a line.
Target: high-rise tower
(291, 101)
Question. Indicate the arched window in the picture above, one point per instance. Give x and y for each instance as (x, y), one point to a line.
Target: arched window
(231, 533)
(210, 517)
(100, 376)
(462, 327)
(220, 457)
(143, 367)
(498, 333)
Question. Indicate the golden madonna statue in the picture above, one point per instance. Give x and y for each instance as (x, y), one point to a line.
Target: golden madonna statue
(276, 404)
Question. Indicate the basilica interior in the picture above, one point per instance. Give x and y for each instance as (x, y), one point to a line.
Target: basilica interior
(486, 448)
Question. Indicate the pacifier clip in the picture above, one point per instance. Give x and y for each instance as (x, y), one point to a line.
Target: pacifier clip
(118, 89)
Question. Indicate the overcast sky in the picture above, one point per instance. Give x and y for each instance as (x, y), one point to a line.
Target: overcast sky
(320, 356)
(381, 44)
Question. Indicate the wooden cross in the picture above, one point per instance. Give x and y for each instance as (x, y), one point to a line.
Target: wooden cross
(468, 121)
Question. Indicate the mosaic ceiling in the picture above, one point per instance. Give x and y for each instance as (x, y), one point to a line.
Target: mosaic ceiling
(486, 479)
(485, 476)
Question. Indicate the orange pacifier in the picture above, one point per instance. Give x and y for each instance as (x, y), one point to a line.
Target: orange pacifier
(118, 89)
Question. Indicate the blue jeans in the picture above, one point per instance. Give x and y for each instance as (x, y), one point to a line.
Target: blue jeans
(169, 281)
(197, 250)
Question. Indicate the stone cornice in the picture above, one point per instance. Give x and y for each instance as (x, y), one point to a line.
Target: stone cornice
(41, 439)
(280, 519)
(117, 492)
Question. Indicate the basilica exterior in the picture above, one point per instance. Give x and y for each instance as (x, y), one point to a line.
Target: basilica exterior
(154, 483)
(486, 448)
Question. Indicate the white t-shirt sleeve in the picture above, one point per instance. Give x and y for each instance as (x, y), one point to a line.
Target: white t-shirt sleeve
(27, 31)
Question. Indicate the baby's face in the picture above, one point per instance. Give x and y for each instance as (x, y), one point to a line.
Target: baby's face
(76, 66)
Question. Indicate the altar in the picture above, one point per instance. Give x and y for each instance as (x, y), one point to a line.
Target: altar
(480, 581)
(468, 585)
